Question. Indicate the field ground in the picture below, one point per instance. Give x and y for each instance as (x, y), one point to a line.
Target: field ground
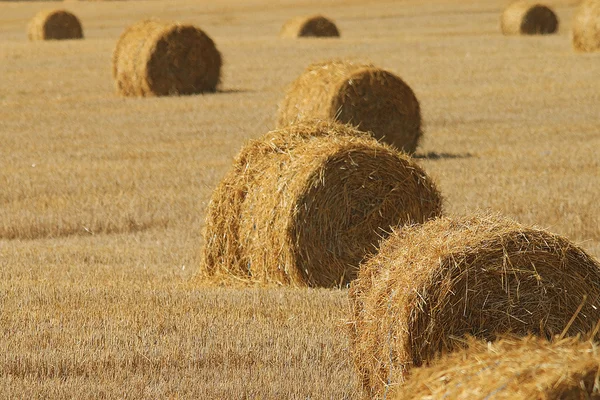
(102, 198)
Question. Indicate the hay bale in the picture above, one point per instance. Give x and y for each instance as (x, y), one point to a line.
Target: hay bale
(304, 205)
(526, 18)
(530, 368)
(54, 25)
(372, 99)
(586, 26)
(313, 26)
(477, 276)
(154, 58)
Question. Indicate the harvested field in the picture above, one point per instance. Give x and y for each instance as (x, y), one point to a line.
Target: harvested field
(103, 198)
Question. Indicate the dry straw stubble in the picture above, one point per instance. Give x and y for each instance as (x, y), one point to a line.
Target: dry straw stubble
(155, 58)
(313, 26)
(372, 99)
(527, 18)
(54, 25)
(478, 276)
(511, 368)
(305, 204)
(586, 26)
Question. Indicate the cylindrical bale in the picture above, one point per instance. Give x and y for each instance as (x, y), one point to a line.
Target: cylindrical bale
(510, 369)
(154, 58)
(372, 99)
(526, 18)
(54, 25)
(304, 205)
(313, 26)
(586, 26)
(478, 276)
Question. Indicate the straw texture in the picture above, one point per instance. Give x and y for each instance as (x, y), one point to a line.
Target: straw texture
(586, 26)
(480, 276)
(304, 205)
(515, 369)
(367, 97)
(154, 58)
(54, 25)
(526, 18)
(312, 26)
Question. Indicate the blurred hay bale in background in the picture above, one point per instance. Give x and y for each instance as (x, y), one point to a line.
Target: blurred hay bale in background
(527, 18)
(313, 26)
(305, 204)
(54, 25)
(479, 276)
(372, 99)
(586, 26)
(154, 58)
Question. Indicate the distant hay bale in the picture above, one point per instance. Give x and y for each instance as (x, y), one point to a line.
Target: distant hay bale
(154, 58)
(372, 99)
(586, 26)
(530, 368)
(54, 25)
(313, 26)
(479, 276)
(526, 18)
(304, 205)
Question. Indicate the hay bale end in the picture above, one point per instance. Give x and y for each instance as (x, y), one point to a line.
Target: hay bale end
(526, 18)
(312, 26)
(54, 25)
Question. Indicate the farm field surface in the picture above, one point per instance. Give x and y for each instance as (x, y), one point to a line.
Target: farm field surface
(103, 198)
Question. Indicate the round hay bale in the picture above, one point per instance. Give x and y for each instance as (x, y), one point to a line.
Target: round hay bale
(529, 368)
(154, 58)
(586, 27)
(372, 99)
(313, 26)
(54, 25)
(526, 18)
(304, 205)
(479, 276)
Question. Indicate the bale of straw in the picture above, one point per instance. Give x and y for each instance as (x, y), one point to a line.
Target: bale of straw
(586, 26)
(305, 204)
(526, 18)
(154, 58)
(54, 25)
(479, 276)
(313, 26)
(521, 369)
(372, 99)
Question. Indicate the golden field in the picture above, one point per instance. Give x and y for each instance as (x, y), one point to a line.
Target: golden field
(103, 198)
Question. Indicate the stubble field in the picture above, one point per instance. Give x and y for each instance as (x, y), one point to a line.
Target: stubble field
(103, 198)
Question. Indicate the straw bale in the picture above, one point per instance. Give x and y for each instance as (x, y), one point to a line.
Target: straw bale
(480, 276)
(527, 18)
(586, 26)
(305, 204)
(312, 26)
(372, 99)
(511, 368)
(54, 25)
(155, 58)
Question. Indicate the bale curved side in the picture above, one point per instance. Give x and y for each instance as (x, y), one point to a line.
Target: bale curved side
(586, 26)
(478, 276)
(313, 26)
(372, 99)
(304, 205)
(512, 368)
(54, 25)
(154, 58)
(526, 18)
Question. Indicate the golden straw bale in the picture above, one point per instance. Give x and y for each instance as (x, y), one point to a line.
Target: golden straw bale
(586, 27)
(515, 369)
(304, 205)
(372, 99)
(154, 58)
(313, 26)
(526, 18)
(54, 25)
(479, 276)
